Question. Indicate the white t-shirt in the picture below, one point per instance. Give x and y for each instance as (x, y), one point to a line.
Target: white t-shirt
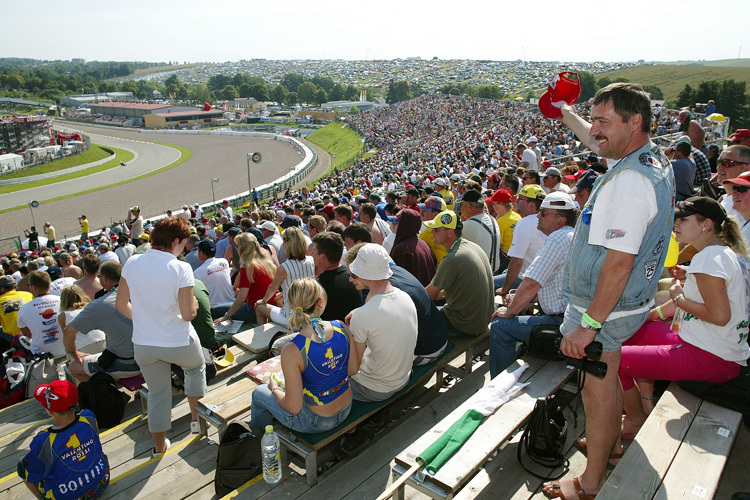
(154, 279)
(40, 317)
(57, 286)
(216, 275)
(124, 252)
(625, 206)
(388, 324)
(529, 156)
(109, 255)
(527, 240)
(728, 342)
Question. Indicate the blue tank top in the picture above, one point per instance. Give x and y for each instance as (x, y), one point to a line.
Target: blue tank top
(326, 374)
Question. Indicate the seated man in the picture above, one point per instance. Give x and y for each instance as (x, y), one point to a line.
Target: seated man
(343, 296)
(37, 319)
(90, 283)
(118, 359)
(215, 273)
(383, 332)
(464, 278)
(544, 278)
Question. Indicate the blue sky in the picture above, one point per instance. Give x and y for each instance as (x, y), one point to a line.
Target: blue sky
(229, 30)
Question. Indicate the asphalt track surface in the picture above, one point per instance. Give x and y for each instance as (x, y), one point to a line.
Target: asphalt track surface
(214, 156)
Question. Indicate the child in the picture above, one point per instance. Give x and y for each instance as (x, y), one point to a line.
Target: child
(66, 461)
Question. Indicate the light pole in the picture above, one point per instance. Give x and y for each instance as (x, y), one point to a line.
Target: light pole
(213, 195)
(32, 206)
(249, 189)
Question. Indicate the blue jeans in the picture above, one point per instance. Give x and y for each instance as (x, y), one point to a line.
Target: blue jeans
(504, 334)
(244, 313)
(500, 281)
(265, 408)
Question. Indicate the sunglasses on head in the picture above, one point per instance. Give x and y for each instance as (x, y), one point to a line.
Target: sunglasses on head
(731, 163)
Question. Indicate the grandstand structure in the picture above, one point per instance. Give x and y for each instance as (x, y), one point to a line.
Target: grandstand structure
(19, 133)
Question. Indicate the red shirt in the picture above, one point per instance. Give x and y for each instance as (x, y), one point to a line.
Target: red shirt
(259, 286)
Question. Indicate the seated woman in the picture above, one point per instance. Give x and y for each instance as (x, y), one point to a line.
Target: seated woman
(316, 396)
(297, 265)
(711, 343)
(253, 280)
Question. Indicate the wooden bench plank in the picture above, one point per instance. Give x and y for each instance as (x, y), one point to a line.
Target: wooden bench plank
(700, 461)
(256, 339)
(639, 473)
(545, 379)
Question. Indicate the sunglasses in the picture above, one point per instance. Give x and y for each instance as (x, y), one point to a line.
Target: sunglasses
(740, 189)
(731, 163)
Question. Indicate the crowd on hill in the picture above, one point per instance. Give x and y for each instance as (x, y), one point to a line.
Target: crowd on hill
(375, 267)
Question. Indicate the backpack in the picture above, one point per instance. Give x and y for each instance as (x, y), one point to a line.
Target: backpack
(100, 395)
(41, 369)
(544, 437)
(238, 460)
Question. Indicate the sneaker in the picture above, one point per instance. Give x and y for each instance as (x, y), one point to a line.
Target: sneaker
(376, 422)
(195, 428)
(156, 454)
(352, 444)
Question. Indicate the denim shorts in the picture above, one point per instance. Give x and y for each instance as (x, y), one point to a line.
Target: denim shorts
(613, 332)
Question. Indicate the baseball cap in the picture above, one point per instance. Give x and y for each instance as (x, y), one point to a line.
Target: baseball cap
(433, 203)
(134, 209)
(268, 226)
(234, 231)
(196, 205)
(55, 272)
(565, 87)
(742, 180)
(193, 230)
(7, 281)
(532, 139)
(58, 395)
(440, 182)
(585, 181)
(558, 201)
(208, 247)
(372, 263)
(290, 221)
(533, 191)
(225, 202)
(473, 196)
(446, 218)
(502, 196)
(328, 209)
(547, 163)
(551, 172)
(455, 177)
(740, 135)
(144, 237)
(412, 191)
(184, 207)
(223, 357)
(701, 205)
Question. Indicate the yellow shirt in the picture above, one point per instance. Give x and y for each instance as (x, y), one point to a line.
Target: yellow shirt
(438, 250)
(449, 198)
(51, 233)
(507, 223)
(85, 226)
(10, 303)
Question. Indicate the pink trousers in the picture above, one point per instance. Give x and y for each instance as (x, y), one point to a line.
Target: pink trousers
(654, 352)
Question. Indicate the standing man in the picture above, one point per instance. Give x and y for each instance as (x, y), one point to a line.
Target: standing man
(134, 222)
(612, 269)
(528, 158)
(49, 231)
(533, 143)
(84, 222)
(33, 237)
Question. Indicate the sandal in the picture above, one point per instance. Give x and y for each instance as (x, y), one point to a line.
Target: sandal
(580, 494)
(580, 443)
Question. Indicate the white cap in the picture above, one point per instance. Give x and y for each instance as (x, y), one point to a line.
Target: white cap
(372, 263)
(268, 226)
(533, 139)
(558, 201)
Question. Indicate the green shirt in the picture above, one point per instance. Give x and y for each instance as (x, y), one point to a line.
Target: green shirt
(203, 323)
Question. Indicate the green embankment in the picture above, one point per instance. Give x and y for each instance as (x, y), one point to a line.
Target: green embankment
(342, 143)
(96, 153)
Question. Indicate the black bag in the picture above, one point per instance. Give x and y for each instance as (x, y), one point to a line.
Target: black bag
(208, 358)
(544, 437)
(239, 459)
(544, 341)
(100, 395)
(734, 394)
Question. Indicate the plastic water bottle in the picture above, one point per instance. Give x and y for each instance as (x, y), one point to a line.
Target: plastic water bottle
(271, 449)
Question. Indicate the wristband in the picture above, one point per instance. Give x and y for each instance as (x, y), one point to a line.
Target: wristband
(661, 315)
(594, 324)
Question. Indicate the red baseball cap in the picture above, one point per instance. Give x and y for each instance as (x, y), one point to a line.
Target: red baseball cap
(740, 135)
(58, 395)
(502, 196)
(565, 86)
(742, 180)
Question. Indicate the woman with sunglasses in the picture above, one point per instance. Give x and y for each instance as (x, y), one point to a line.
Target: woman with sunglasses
(741, 199)
(711, 343)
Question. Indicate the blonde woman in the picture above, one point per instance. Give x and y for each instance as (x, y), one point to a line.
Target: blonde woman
(72, 301)
(255, 276)
(316, 396)
(297, 265)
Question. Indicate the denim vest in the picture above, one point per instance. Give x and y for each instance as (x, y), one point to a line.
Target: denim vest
(584, 261)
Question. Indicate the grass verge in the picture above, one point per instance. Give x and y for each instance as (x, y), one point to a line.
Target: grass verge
(95, 153)
(342, 143)
(185, 156)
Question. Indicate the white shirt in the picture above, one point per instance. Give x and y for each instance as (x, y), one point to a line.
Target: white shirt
(530, 157)
(40, 317)
(57, 286)
(527, 240)
(216, 275)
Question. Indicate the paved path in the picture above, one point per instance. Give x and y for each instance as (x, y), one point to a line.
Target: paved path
(213, 156)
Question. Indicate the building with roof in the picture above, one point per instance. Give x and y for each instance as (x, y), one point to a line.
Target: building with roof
(184, 119)
(76, 101)
(136, 109)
